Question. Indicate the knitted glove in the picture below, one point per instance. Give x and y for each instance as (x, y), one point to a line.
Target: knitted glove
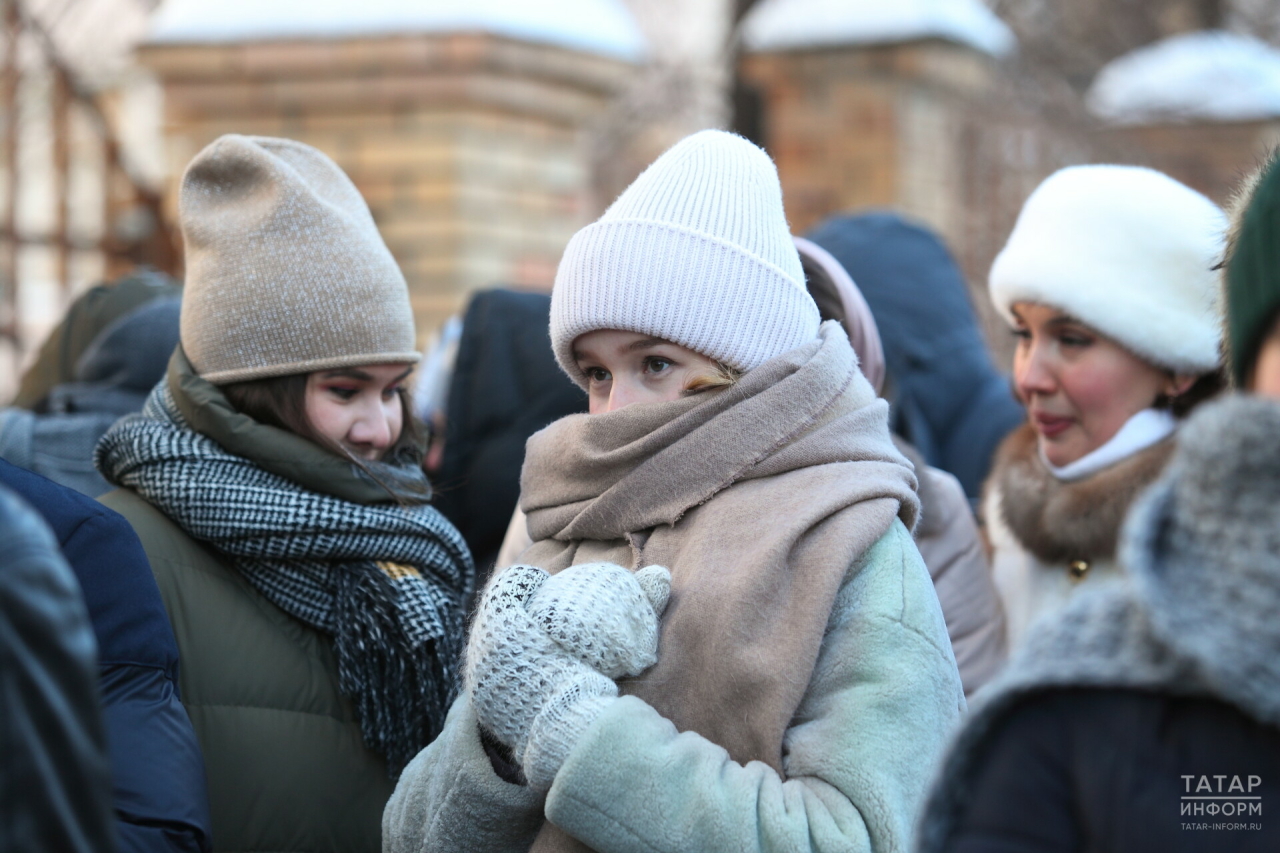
(605, 615)
(535, 695)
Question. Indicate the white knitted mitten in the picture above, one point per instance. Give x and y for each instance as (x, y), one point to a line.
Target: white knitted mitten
(535, 695)
(605, 614)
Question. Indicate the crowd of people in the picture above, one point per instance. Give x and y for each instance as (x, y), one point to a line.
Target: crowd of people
(738, 541)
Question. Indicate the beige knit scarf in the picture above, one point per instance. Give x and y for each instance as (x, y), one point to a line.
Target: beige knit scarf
(758, 498)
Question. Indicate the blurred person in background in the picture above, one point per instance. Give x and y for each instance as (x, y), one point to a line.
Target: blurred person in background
(1107, 283)
(802, 683)
(947, 399)
(111, 378)
(275, 480)
(503, 387)
(55, 784)
(91, 312)
(1146, 716)
(947, 535)
(157, 774)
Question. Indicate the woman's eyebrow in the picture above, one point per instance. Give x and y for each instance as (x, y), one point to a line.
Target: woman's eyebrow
(647, 343)
(1062, 320)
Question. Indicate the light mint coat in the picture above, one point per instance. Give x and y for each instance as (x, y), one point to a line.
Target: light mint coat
(882, 701)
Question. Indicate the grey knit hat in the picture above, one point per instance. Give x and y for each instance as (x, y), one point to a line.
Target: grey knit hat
(286, 271)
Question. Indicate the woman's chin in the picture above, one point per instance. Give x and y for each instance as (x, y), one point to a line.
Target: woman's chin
(1058, 452)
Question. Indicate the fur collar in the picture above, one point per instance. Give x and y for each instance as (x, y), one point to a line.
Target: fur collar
(1202, 548)
(1063, 521)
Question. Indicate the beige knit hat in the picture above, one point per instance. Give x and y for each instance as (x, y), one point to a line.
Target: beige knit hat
(696, 251)
(286, 272)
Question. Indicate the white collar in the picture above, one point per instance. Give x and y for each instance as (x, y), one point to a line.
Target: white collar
(1138, 433)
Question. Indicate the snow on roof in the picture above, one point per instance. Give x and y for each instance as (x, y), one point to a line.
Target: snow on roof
(793, 24)
(1210, 75)
(596, 26)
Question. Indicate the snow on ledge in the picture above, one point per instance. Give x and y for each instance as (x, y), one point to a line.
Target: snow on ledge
(1206, 76)
(798, 24)
(596, 26)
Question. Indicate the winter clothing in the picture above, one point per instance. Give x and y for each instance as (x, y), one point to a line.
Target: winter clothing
(947, 398)
(286, 271)
(157, 772)
(697, 252)
(1128, 251)
(838, 298)
(55, 784)
(505, 387)
(1025, 799)
(1049, 537)
(949, 542)
(272, 700)
(797, 599)
(956, 558)
(388, 583)
(947, 536)
(1180, 667)
(91, 312)
(112, 378)
(543, 651)
(1251, 277)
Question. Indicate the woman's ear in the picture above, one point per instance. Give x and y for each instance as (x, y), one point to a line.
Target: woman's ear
(1179, 384)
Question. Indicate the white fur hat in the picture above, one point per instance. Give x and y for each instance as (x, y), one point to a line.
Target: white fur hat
(1127, 251)
(696, 251)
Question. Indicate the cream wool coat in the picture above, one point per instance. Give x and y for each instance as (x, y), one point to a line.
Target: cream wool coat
(883, 700)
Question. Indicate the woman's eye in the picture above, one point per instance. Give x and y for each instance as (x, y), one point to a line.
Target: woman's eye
(656, 364)
(1068, 339)
(388, 393)
(343, 393)
(1022, 334)
(597, 374)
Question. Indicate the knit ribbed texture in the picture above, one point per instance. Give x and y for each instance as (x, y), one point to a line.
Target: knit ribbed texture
(696, 251)
(1129, 252)
(286, 271)
(1253, 274)
(543, 650)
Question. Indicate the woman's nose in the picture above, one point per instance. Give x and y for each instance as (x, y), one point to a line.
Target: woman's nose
(372, 427)
(621, 394)
(1034, 375)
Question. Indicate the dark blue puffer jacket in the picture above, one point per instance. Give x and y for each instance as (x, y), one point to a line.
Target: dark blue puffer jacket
(947, 397)
(157, 772)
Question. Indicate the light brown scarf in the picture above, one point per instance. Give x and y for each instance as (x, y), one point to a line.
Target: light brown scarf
(758, 498)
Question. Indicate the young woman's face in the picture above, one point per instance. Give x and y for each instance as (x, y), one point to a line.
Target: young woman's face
(359, 408)
(1266, 370)
(627, 367)
(1079, 387)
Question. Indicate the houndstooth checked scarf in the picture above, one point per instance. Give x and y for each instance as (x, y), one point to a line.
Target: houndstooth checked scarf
(387, 582)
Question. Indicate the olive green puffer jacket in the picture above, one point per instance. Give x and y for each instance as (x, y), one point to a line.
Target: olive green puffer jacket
(286, 765)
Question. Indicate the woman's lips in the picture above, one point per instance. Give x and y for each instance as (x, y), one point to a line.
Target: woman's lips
(1051, 425)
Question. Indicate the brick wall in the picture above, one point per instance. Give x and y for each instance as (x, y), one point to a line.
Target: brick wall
(470, 149)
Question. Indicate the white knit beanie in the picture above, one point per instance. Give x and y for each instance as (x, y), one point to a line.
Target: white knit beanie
(1125, 250)
(286, 272)
(697, 252)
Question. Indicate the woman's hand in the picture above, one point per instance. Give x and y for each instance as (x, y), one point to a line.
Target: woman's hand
(537, 648)
(605, 615)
